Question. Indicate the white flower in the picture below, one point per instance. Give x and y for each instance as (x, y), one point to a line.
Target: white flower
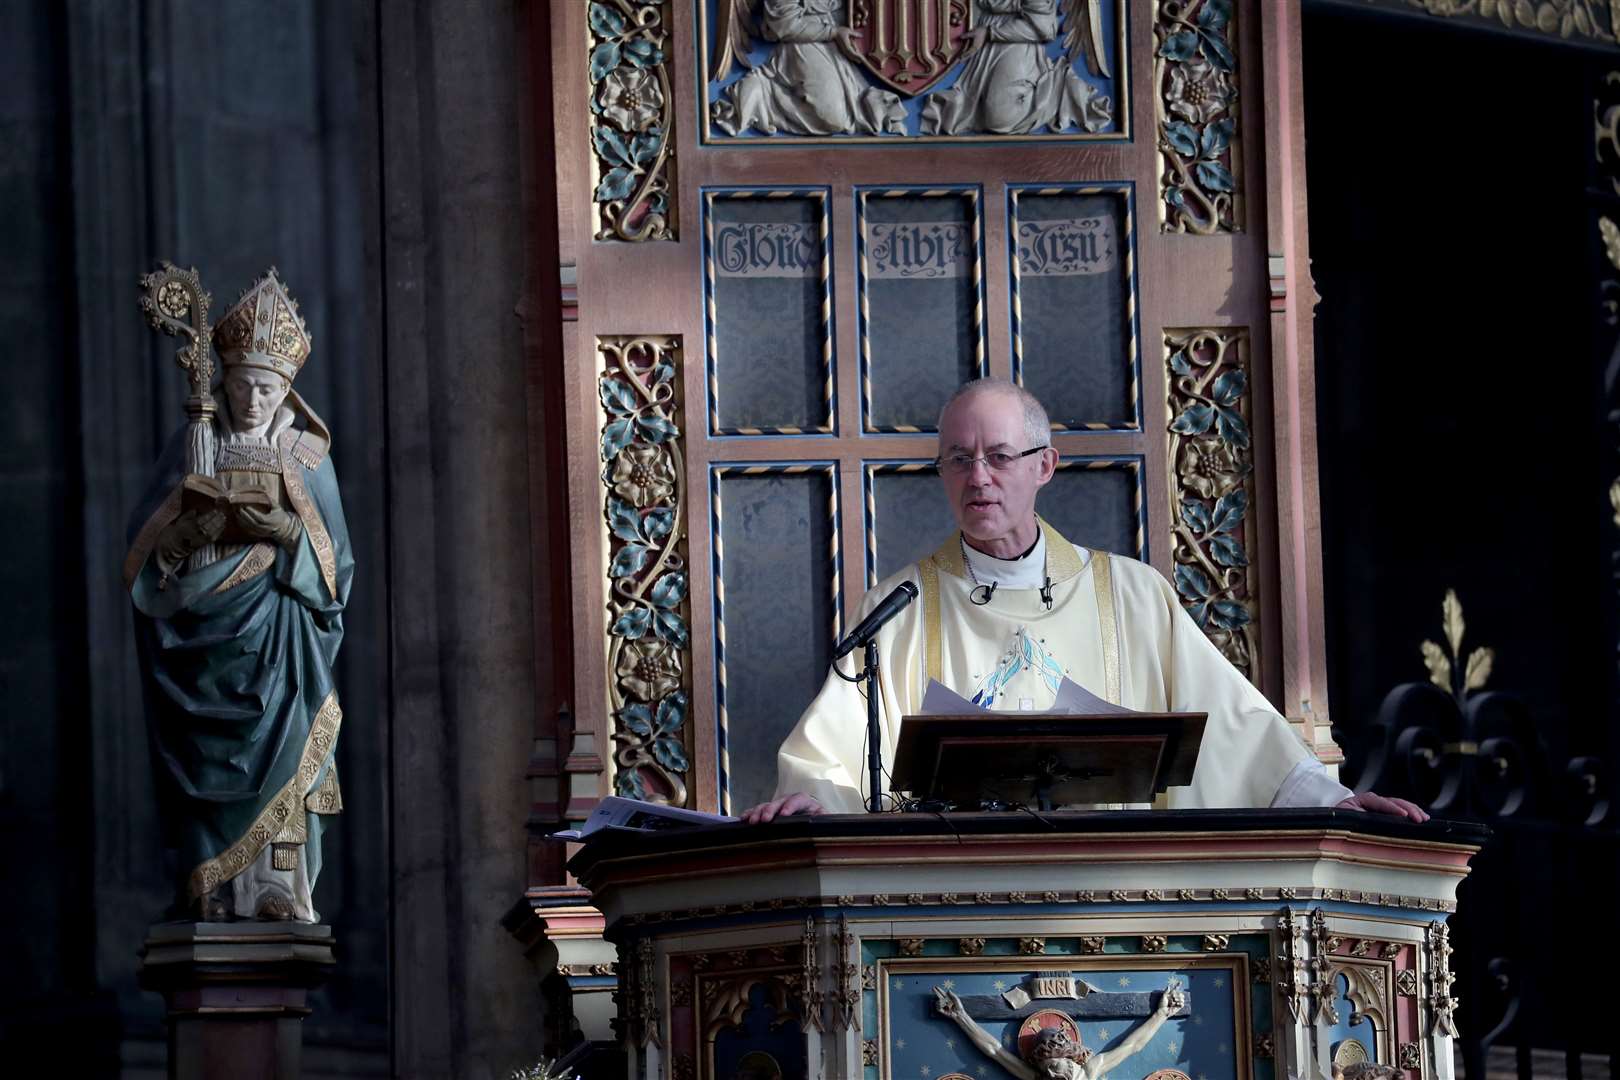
(1198, 92)
(630, 97)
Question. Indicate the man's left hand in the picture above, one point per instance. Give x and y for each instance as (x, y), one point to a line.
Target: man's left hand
(1383, 804)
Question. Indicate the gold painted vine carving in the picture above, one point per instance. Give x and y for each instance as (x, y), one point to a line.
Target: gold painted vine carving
(643, 505)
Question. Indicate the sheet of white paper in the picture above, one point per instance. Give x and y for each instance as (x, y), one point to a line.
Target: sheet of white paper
(941, 700)
(1074, 698)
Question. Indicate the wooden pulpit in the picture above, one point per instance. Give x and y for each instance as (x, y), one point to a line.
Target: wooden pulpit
(1216, 945)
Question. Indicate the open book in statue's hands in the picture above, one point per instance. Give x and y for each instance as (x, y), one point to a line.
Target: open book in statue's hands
(203, 494)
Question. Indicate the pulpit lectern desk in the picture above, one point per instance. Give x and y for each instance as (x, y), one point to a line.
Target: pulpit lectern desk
(1045, 760)
(822, 946)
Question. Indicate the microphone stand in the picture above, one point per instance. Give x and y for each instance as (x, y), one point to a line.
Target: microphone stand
(874, 732)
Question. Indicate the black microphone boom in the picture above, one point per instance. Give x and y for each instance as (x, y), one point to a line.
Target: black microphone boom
(903, 594)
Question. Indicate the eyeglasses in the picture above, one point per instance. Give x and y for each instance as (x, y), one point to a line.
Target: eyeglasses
(996, 461)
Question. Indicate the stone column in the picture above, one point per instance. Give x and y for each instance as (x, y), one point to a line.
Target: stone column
(236, 994)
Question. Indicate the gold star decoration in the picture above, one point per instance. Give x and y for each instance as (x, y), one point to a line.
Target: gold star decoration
(1219, 983)
(1172, 1046)
(949, 984)
(899, 1044)
(1102, 1033)
(999, 984)
(1124, 980)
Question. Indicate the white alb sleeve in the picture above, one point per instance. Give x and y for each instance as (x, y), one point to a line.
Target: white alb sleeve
(1308, 784)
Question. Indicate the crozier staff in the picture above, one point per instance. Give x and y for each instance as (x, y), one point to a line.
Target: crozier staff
(1009, 607)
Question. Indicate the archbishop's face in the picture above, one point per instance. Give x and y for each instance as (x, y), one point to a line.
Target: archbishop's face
(254, 396)
(990, 504)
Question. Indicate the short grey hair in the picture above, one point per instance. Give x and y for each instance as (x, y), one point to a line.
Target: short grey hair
(1037, 425)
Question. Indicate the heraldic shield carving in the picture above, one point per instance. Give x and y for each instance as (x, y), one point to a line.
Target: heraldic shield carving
(921, 69)
(909, 45)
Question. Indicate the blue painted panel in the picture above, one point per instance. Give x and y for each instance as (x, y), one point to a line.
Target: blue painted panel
(777, 535)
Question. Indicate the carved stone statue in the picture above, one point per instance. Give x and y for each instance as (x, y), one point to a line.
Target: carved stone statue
(239, 569)
(809, 86)
(1055, 1052)
(1009, 86)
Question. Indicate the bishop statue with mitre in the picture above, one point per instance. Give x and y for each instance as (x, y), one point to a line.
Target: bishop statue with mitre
(239, 569)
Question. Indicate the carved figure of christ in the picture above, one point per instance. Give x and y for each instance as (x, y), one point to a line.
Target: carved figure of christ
(1057, 1060)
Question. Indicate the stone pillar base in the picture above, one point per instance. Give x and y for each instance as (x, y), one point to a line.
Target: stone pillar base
(236, 994)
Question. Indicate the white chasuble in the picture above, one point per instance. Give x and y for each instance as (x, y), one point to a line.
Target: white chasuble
(1114, 626)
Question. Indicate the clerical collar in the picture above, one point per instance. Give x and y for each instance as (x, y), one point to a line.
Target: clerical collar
(1026, 571)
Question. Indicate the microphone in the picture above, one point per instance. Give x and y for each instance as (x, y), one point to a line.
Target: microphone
(903, 594)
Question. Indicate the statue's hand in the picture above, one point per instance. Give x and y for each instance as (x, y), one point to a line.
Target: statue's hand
(948, 1004)
(1172, 1000)
(185, 534)
(277, 525)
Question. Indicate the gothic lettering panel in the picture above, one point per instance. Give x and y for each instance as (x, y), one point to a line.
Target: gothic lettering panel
(889, 70)
(922, 333)
(1074, 304)
(767, 252)
(778, 592)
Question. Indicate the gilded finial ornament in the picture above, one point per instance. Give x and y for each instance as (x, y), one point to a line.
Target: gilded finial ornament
(1440, 661)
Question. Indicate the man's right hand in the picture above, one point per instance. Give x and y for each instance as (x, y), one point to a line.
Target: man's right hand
(787, 805)
(186, 534)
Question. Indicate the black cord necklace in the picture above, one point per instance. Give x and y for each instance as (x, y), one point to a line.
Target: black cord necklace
(981, 593)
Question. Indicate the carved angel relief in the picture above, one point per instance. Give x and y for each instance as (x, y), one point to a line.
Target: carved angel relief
(911, 67)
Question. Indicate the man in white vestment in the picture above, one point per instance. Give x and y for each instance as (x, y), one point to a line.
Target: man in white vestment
(983, 627)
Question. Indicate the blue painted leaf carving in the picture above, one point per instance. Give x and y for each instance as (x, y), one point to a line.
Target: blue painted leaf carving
(630, 560)
(628, 783)
(617, 184)
(604, 58)
(1195, 514)
(669, 590)
(672, 713)
(633, 624)
(643, 148)
(643, 53)
(1231, 427)
(1192, 583)
(618, 398)
(669, 753)
(1215, 14)
(1216, 138)
(1229, 387)
(671, 627)
(615, 437)
(606, 21)
(657, 429)
(623, 519)
(1229, 511)
(1182, 137)
(1225, 550)
(637, 720)
(658, 522)
(1194, 421)
(663, 372)
(1229, 614)
(1179, 364)
(610, 145)
(1214, 176)
(1199, 613)
(1217, 51)
(1175, 197)
(1179, 46)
